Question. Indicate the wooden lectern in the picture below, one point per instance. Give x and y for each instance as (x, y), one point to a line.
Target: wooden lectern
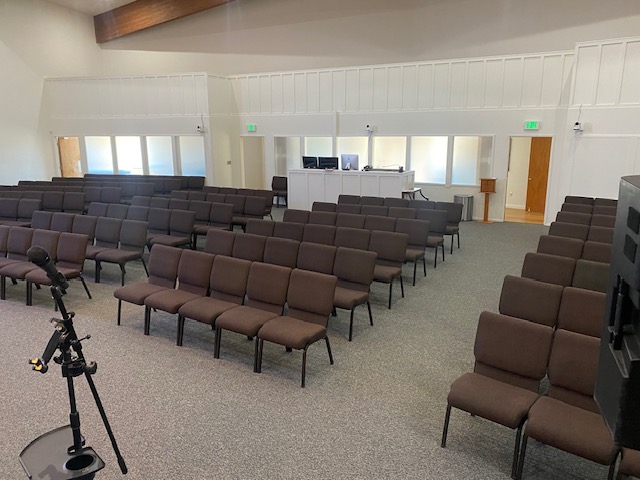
(487, 186)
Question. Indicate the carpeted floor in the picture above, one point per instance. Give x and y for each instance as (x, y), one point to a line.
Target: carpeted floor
(178, 413)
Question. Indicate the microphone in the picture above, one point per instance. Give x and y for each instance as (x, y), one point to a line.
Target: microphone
(39, 256)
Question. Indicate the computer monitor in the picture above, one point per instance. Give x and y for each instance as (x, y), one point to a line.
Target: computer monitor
(309, 162)
(328, 162)
(349, 161)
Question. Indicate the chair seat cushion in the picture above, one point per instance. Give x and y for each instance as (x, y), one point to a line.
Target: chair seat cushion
(291, 332)
(18, 269)
(116, 255)
(137, 292)
(40, 277)
(93, 250)
(434, 241)
(7, 261)
(386, 273)
(571, 429)
(170, 240)
(244, 319)
(347, 298)
(451, 229)
(413, 254)
(169, 300)
(205, 309)
(630, 464)
(497, 401)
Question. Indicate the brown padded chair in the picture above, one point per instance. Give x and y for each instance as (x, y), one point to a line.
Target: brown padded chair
(454, 217)
(511, 360)
(437, 229)
(260, 227)
(597, 252)
(316, 257)
(560, 246)
(98, 209)
(62, 222)
(194, 270)
(281, 251)
(323, 207)
(600, 234)
(322, 218)
(391, 249)
(220, 218)
(249, 247)
(351, 220)
(163, 271)
(179, 203)
(571, 230)
(352, 208)
(324, 234)
(266, 295)
(579, 200)
(395, 202)
(577, 207)
(401, 212)
(608, 221)
(354, 270)
(569, 419)
(348, 199)
(133, 236)
(279, 188)
(381, 223)
(268, 201)
(228, 282)
(181, 223)
(52, 201)
(73, 202)
(368, 200)
(537, 302)
(379, 210)
(418, 232)
(17, 244)
(86, 225)
(310, 301)
(605, 202)
(4, 236)
(604, 210)
(253, 208)
(41, 219)
(158, 222)
(141, 200)
(159, 202)
(582, 311)
(573, 217)
(117, 210)
(291, 230)
(107, 236)
(591, 275)
(70, 262)
(220, 242)
(357, 238)
(138, 212)
(548, 268)
(296, 216)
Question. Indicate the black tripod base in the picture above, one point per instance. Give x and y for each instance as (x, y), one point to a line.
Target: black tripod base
(46, 458)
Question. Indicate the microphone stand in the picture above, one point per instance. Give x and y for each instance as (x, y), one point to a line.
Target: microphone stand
(81, 463)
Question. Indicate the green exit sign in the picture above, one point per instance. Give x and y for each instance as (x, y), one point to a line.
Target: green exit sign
(252, 128)
(532, 125)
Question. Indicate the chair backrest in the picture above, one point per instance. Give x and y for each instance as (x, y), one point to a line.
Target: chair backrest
(548, 268)
(117, 210)
(377, 222)
(591, 275)
(349, 199)
(573, 368)
(561, 246)
(133, 235)
(600, 234)
(324, 234)
(402, 212)
(18, 242)
(453, 209)
(416, 230)
(62, 222)
(52, 201)
(179, 203)
(210, 189)
(228, 279)
(138, 212)
(577, 207)
(163, 265)
(111, 194)
(98, 209)
(145, 189)
(202, 210)
(9, 209)
(254, 206)
(354, 268)
(194, 270)
(605, 202)
(322, 218)
(26, 208)
(37, 195)
(267, 287)
(48, 240)
(368, 200)
(597, 252)
(279, 183)
(579, 200)
(73, 202)
(247, 192)
(512, 351)
(437, 220)
(281, 251)
(128, 190)
(86, 225)
(396, 202)
(608, 221)
(249, 246)
(531, 300)
(268, 200)
(181, 223)
(571, 230)
(216, 197)
(4, 236)
(323, 207)
(41, 219)
(141, 200)
(293, 215)
(219, 242)
(573, 217)
(604, 210)
(221, 215)
(389, 246)
(310, 296)
(171, 183)
(159, 202)
(316, 257)
(355, 238)
(348, 208)
(197, 196)
(379, 210)
(237, 201)
(351, 220)
(179, 194)
(260, 227)
(108, 232)
(582, 311)
(419, 204)
(159, 219)
(72, 248)
(291, 230)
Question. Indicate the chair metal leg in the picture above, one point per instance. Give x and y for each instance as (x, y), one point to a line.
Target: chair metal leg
(86, 289)
(3, 287)
(442, 250)
(390, 292)
(216, 343)
(445, 427)
(97, 274)
(523, 450)
(451, 244)
(304, 365)
(370, 316)
(458, 235)
(260, 350)
(401, 286)
(119, 311)
(28, 293)
(122, 274)
(180, 330)
(255, 355)
(435, 258)
(516, 451)
(415, 266)
(144, 264)
(326, 339)
(424, 265)
(351, 324)
(612, 468)
(147, 320)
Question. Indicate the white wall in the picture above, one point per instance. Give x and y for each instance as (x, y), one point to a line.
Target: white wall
(518, 172)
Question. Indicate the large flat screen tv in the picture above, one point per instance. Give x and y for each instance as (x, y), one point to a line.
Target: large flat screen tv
(328, 162)
(309, 162)
(349, 161)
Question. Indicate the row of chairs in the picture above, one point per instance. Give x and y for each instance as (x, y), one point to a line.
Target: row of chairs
(55, 197)
(163, 184)
(67, 249)
(19, 208)
(389, 249)
(18, 212)
(286, 306)
(596, 202)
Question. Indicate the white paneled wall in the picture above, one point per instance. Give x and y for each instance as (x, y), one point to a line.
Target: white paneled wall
(143, 96)
(528, 81)
(607, 73)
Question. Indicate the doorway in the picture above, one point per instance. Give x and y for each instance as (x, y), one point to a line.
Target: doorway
(253, 162)
(69, 154)
(527, 179)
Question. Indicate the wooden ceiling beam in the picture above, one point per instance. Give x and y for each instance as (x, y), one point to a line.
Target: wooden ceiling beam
(143, 14)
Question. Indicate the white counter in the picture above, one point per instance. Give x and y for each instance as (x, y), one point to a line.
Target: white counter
(310, 185)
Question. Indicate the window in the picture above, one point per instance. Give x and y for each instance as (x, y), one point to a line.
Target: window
(192, 155)
(99, 156)
(287, 153)
(129, 155)
(429, 159)
(471, 157)
(318, 146)
(389, 152)
(160, 155)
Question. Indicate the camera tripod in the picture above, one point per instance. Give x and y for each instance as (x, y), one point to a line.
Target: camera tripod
(43, 458)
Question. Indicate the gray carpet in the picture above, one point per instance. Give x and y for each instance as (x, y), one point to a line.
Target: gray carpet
(178, 413)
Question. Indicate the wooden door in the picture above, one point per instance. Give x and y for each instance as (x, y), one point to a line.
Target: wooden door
(538, 174)
(69, 150)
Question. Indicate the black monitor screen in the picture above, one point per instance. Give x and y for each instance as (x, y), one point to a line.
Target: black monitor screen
(309, 162)
(328, 162)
